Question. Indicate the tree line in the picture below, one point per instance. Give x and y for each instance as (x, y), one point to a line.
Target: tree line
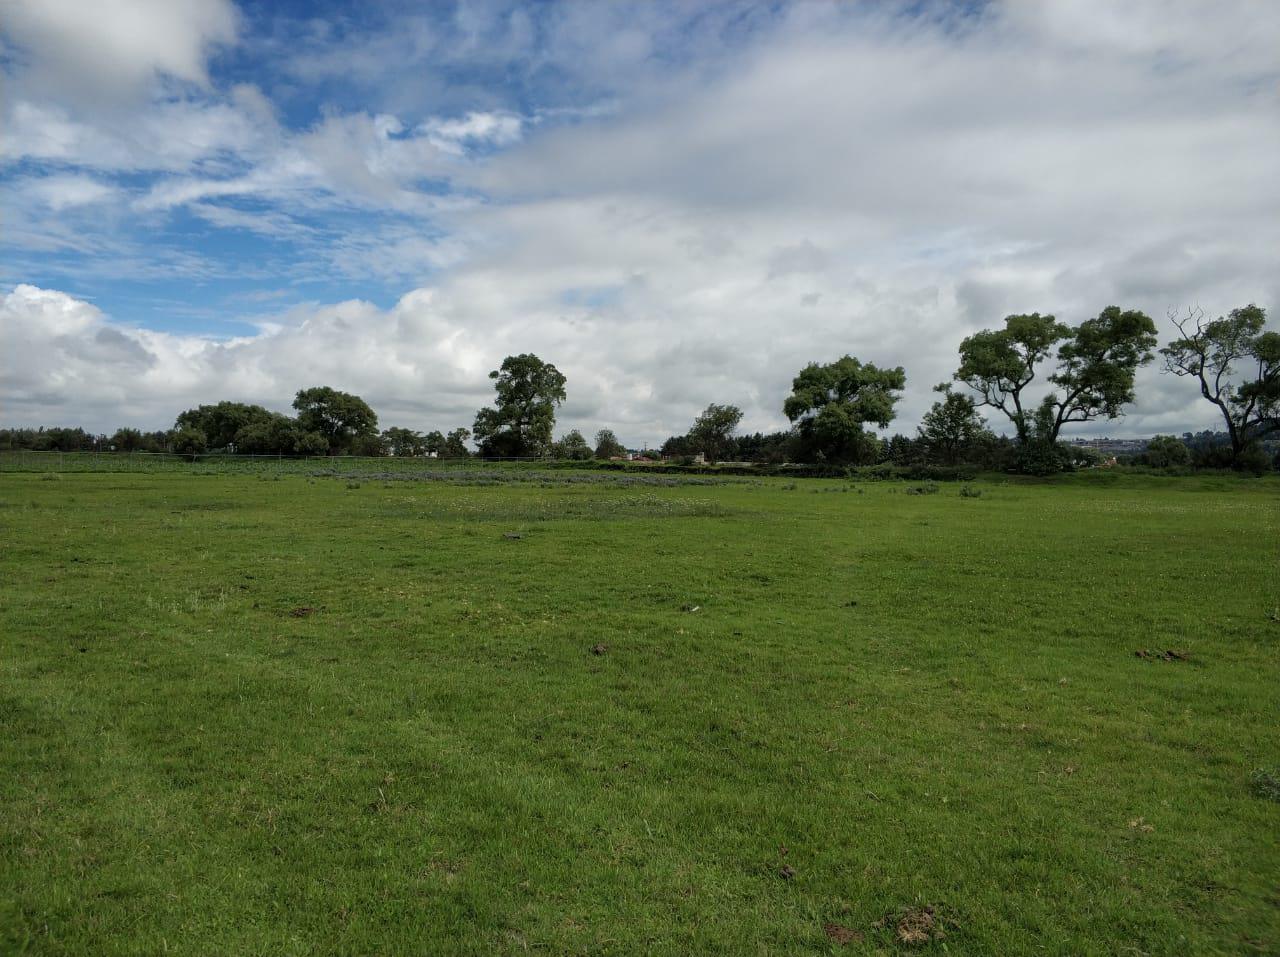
(1090, 369)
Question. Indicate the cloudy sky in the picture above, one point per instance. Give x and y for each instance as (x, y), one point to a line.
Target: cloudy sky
(676, 203)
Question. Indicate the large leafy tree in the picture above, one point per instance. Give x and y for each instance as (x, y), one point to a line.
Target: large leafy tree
(831, 403)
(221, 422)
(1236, 362)
(520, 422)
(277, 435)
(339, 416)
(712, 432)
(1096, 365)
(1096, 368)
(999, 364)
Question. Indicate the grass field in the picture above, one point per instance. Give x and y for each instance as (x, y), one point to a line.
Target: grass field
(250, 714)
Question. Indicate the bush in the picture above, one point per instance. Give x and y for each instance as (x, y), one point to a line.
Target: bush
(1213, 457)
(919, 472)
(1253, 458)
(927, 489)
(1041, 458)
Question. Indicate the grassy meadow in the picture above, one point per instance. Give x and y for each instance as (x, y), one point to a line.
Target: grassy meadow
(586, 713)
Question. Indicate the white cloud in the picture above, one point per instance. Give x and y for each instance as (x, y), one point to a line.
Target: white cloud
(65, 192)
(454, 135)
(107, 48)
(168, 136)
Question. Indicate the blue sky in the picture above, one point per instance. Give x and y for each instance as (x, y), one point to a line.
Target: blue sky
(469, 79)
(678, 203)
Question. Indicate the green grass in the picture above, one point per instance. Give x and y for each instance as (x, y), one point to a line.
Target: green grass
(241, 716)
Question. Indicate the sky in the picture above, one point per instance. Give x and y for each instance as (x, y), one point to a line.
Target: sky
(675, 203)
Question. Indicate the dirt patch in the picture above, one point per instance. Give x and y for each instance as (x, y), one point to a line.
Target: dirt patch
(1148, 654)
(915, 925)
(839, 934)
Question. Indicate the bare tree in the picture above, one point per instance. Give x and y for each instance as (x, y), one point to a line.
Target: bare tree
(1211, 350)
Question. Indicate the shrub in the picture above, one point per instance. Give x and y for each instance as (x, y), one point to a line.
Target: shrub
(1042, 458)
(926, 489)
(917, 472)
(1253, 458)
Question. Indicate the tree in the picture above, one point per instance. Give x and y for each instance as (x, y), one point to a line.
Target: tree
(402, 442)
(678, 446)
(311, 443)
(274, 435)
(1164, 451)
(831, 403)
(608, 446)
(455, 445)
(773, 448)
(339, 416)
(901, 450)
(999, 364)
(433, 442)
(950, 427)
(221, 422)
(713, 430)
(521, 421)
(127, 440)
(1096, 369)
(1210, 353)
(189, 441)
(1097, 363)
(367, 444)
(572, 446)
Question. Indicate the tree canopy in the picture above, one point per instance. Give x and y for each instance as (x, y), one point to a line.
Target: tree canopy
(999, 364)
(520, 422)
(713, 430)
(339, 416)
(950, 426)
(608, 446)
(406, 442)
(831, 403)
(571, 446)
(1096, 365)
(222, 421)
(1236, 363)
